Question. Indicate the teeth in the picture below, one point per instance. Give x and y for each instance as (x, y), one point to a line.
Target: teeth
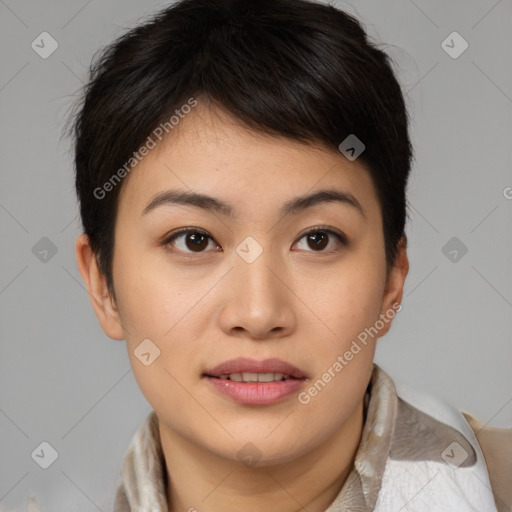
(255, 377)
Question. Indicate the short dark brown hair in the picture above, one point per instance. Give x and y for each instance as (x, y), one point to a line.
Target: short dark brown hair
(292, 68)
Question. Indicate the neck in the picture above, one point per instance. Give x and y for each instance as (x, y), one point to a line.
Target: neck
(199, 480)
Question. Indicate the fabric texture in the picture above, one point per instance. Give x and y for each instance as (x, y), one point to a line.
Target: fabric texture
(435, 461)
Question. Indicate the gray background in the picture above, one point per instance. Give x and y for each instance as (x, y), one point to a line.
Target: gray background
(63, 381)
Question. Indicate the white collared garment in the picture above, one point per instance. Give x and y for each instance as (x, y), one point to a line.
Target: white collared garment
(416, 454)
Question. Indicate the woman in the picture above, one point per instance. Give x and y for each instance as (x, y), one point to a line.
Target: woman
(241, 169)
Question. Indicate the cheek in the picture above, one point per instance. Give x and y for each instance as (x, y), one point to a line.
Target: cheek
(158, 303)
(350, 300)
(344, 356)
(151, 308)
(149, 294)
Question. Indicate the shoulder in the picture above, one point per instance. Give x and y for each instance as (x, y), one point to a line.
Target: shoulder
(435, 460)
(496, 445)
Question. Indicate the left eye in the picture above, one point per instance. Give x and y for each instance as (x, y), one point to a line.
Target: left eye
(197, 240)
(319, 238)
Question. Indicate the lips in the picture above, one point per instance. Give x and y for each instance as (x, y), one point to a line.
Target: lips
(252, 382)
(240, 366)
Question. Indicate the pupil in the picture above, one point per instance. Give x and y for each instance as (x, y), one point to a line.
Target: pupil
(318, 244)
(197, 240)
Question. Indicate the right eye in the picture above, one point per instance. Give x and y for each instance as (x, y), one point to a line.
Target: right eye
(193, 239)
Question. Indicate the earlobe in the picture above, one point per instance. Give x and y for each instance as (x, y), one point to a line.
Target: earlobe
(103, 304)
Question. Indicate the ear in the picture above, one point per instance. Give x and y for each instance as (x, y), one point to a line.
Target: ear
(103, 304)
(394, 289)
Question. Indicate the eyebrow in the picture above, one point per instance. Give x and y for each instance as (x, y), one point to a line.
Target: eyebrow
(291, 207)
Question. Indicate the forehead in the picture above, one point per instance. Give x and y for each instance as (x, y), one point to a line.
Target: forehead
(211, 153)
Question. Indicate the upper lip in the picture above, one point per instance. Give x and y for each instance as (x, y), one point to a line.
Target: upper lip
(243, 364)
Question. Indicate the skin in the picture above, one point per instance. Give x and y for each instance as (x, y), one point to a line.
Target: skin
(294, 302)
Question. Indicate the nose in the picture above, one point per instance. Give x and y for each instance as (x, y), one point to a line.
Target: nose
(258, 302)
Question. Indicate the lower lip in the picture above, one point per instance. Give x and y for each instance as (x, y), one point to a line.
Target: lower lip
(256, 393)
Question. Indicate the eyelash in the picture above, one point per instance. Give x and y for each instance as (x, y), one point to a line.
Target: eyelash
(342, 239)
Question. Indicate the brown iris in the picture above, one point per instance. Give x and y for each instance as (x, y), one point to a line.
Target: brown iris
(319, 240)
(198, 241)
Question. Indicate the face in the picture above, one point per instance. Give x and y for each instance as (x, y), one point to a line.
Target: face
(274, 278)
